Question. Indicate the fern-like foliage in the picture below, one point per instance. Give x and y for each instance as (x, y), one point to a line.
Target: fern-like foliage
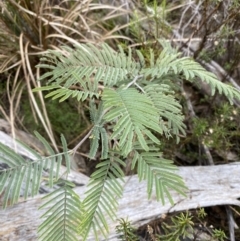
(23, 177)
(86, 67)
(169, 63)
(104, 190)
(168, 109)
(78, 72)
(131, 105)
(98, 131)
(62, 218)
(63, 93)
(134, 115)
(158, 172)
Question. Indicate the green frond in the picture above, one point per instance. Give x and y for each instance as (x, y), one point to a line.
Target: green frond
(104, 139)
(229, 91)
(191, 69)
(169, 63)
(85, 66)
(164, 65)
(134, 115)
(63, 93)
(168, 108)
(98, 131)
(62, 217)
(20, 178)
(23, 177)
(159, 173)
(104, 189)
(94, 142)
(52, 162)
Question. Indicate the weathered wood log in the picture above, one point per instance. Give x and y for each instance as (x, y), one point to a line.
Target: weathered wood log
(208, 186)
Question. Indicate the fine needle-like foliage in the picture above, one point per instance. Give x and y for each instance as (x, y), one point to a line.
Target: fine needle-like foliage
(131, 103)
(126, 231)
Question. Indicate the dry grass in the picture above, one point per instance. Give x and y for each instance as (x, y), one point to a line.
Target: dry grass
(28, 29)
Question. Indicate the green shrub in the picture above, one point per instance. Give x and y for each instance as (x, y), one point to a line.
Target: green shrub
(130, 105)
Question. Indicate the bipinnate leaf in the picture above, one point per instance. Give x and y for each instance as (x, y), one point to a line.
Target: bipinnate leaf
(101, 202)
(134, 116)
(78, 73)
(62, 217)
(168, 109)
(170, 64)
(134, 107)
(159, 173)
(19, 178)
(22, 177)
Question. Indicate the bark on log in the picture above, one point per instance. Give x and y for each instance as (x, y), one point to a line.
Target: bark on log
(208, 186)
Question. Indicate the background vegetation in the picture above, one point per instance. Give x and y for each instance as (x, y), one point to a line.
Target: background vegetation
(206, 30)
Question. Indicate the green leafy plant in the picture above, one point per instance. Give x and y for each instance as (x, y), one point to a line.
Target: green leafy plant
(23, 177)
(218, 130)
(63, 217)
(185, 225)
(201, 213)
(219, 234)
(131, 107)
(181, 227)
(126, 231)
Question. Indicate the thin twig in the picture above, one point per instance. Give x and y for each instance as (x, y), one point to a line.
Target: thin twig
(134, 82)
(81, 142)
(231, 223)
